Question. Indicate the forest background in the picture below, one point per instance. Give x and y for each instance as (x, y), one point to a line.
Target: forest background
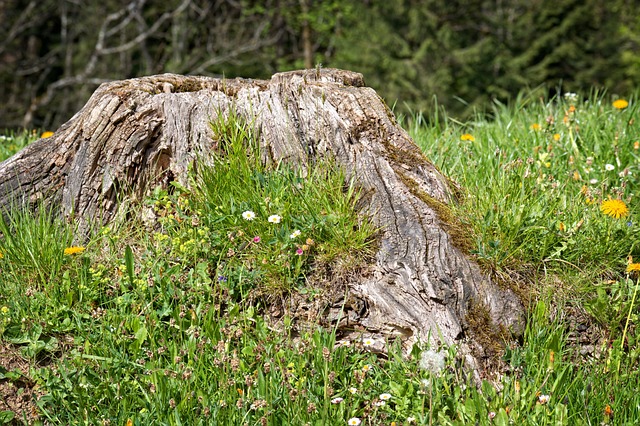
(464, 54)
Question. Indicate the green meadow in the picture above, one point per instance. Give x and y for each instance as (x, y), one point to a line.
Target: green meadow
(183, 320)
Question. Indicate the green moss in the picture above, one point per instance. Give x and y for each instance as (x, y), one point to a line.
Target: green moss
(399, 156)
(489, 336)
(459, 235)
(402, 157)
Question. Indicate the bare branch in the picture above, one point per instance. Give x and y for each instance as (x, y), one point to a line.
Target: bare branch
(152, 30)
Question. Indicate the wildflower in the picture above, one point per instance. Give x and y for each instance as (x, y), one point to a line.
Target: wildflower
(535, 127)
(609, 167)
(222, 279)
(633, 267)
(354, 421)
(353, 390)
(73, 250)
(366, 368)
(368, 341)
(248, 215)
(1, 255)
(310, 242)
(492, 414)
(295, 234)
(432, 361)
(467, 137)
(576, 175)
(426, 383)
(561, 227)
(593, 181)
(636, 145)
(256, 239)
(614, 208)
(304, 247)
(379, 403)
(385, 396)
(129, 422)
(299, 252)
(620, 104)
(4, 310)
(46, 135)
(337, 400)
(571, 97)
(556, 137)
(543, 399)
(411, 419)
(274, 218)
(607, 410)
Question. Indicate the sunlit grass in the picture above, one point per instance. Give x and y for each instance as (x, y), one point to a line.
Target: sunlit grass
(167, 322)
(536, 175)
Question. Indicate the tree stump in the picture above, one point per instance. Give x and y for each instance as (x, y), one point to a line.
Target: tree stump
(135, 134)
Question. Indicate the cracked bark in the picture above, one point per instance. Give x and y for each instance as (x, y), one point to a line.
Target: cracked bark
(135, 134)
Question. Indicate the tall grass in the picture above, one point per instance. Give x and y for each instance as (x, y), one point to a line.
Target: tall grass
(536, 175)
(167, 324)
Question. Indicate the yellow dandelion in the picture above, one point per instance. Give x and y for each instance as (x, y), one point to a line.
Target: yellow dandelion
(576, 175)
(467, 137)
(608, 411)
(620, 104)
(556, 137)
(1, 255)
(614, 208)
(633, 267)
(535, 127)
(46, 135)
(73, 250)
(636, 145)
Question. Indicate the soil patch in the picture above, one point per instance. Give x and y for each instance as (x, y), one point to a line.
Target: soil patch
(18, 392)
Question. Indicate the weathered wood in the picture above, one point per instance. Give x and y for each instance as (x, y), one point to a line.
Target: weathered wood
(135, 134)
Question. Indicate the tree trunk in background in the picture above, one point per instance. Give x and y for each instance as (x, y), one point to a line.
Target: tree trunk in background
(135, 134)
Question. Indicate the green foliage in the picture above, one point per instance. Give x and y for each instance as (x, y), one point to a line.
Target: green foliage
(466, 54)
(10, 143)
(469, 54)
(164, 325)
(536, 177)
(276, 220)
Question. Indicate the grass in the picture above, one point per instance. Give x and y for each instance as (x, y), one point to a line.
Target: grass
(167, 323)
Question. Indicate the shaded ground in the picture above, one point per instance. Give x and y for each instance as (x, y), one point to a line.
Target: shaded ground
(17, 392)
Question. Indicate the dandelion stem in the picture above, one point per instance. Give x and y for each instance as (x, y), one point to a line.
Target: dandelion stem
(626, 325)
